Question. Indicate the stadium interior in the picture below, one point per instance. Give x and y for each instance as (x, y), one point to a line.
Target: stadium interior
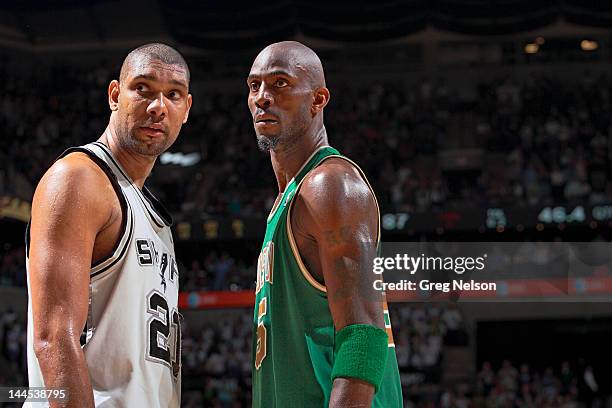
(474, 120)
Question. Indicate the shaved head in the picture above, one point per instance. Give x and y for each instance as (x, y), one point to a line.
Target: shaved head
(297, 56)
(153, 51)
(287, 95)
(151, 100)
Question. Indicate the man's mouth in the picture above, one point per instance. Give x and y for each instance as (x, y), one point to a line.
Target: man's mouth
(266, 119)
(154, 130)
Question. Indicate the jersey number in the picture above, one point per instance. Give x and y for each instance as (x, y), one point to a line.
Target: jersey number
(160, 327)
(260, 353)
(387, 318)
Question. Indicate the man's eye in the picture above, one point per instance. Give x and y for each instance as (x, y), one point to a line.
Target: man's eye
(174, 95)
(281, 83)
(254, 86)
(141, 88)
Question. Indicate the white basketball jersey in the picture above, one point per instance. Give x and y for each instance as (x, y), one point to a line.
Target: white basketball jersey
(133, 340)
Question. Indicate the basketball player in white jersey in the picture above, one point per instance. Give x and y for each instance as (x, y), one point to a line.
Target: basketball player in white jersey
(101, 258)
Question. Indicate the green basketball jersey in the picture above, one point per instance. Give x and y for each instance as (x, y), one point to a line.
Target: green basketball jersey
(293, 345)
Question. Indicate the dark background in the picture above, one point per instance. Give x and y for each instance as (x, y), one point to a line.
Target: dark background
(474, 121)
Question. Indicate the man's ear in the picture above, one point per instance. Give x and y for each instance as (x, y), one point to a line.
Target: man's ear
(189, 102)
(113, 95)
(321, 99)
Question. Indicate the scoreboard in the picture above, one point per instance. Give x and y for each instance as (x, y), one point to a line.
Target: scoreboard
(194, 227)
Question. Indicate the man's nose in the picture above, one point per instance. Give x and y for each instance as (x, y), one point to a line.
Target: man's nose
(264, 98)
(157, 108)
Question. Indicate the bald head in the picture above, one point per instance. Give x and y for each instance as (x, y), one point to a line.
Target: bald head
(153, 51)
(287, 95)
(295, 56)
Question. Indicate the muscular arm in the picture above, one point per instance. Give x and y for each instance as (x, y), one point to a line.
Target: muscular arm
(337, 210)
(70, 207)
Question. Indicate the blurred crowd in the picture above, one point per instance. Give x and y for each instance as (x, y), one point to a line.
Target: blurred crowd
(218, 354)
(216, 364)
(13, 348)
(12, 266)
(512, 387)
(424, 145)
(420, 332)
(211, 271)
(218, 270)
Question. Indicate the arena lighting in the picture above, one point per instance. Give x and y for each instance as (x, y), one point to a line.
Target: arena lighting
(531, 48)
(180, 159)
(589, 45)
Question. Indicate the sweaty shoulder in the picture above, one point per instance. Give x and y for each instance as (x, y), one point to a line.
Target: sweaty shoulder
(75, 186)
(335, 193)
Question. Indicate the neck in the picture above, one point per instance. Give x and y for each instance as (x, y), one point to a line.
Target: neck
(137, 166)
(286, 162)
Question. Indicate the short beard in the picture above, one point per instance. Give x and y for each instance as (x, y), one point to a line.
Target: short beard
(284, 141)
(130, 143)
(266, 143)
(127, 141)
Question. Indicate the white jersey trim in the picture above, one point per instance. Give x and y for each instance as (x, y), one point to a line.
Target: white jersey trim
(121, 250)
(152, 212)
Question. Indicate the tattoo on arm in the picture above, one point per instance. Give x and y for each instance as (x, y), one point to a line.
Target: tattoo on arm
(349, 276)
(352, 252)
(354, 276)
(337, 237)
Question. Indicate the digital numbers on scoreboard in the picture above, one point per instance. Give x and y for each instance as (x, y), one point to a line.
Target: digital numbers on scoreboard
(501, 219)
(496, 217)
(602, 212)
(562, 215)
(395, 221)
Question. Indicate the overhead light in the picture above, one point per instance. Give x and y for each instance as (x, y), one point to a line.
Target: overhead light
(180, 159)
(531, 48)
(589, 45)
(539, 40)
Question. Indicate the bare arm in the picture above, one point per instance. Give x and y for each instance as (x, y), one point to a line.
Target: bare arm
(70, 207)
(337, 209)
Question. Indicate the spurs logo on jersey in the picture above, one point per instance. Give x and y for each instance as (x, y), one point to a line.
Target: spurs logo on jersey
(148, 255)
(133, 337)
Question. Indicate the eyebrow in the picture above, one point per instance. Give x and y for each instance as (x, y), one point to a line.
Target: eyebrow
(150, 77)
(275, 72)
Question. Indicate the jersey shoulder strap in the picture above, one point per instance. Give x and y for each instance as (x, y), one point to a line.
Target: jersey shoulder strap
(127, 222)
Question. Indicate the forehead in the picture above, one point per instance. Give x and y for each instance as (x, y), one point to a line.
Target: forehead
(273, 60)
(156, 70)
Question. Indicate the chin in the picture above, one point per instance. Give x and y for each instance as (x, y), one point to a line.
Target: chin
(151, 149)
(269, 134)
(267, 143)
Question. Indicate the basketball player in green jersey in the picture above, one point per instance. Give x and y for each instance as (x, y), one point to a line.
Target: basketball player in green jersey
(322, 333)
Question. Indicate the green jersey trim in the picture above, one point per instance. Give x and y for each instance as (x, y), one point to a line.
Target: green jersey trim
(294, 248)
(296, 254)
(281, 197)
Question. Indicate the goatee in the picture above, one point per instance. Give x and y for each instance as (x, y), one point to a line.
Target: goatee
(266, 143)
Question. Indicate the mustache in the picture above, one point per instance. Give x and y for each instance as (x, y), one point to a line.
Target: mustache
(150, 123)
(260, 111)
